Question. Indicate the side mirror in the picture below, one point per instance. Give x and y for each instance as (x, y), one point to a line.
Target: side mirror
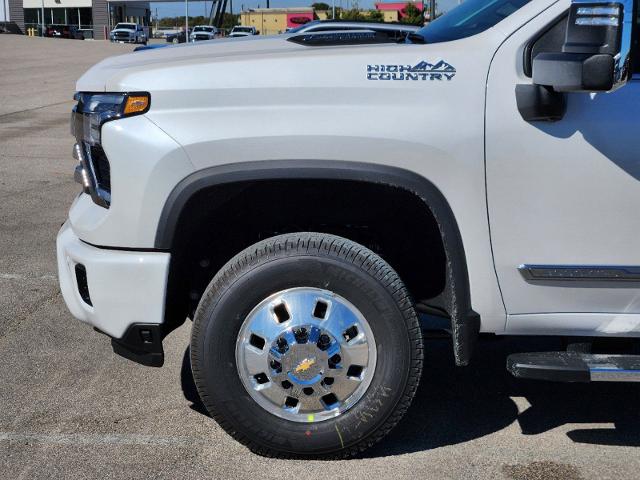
(597, 52)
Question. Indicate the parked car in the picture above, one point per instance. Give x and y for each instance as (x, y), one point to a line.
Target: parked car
(203, 32)
(308, 202)
(395, 31)
(128, 33)
(176, 37)
(240, 31)
(64, 31)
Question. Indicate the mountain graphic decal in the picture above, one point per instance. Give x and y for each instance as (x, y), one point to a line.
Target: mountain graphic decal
(422, 67)
(444, 66)
(441, 66)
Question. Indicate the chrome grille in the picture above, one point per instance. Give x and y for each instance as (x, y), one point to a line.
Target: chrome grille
(94, 172)
(101, 167)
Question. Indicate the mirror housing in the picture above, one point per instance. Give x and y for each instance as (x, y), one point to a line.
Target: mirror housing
(597, 52)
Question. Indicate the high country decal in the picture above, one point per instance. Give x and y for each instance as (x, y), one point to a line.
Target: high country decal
(421, 71)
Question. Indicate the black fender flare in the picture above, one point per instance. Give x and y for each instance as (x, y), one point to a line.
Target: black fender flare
(465, 322)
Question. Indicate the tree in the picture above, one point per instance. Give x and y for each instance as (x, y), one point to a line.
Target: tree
(376, 16)
(229, 21)
(413, 16)
(320, 6)
(352, 15)
(338, 14)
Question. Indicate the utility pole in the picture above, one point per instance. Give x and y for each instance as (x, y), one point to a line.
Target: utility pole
(42, 28)
(432, 10)
(186, 20)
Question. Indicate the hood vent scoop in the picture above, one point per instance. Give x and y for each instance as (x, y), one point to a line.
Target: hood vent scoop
(350, 37)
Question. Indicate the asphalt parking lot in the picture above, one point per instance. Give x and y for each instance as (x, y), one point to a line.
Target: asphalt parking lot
(70, 408)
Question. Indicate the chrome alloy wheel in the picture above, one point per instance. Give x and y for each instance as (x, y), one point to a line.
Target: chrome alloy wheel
(306, 354)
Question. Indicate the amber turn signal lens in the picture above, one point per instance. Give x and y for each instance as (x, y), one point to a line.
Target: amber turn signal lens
(136, 104)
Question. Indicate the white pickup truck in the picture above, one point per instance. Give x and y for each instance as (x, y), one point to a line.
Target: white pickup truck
(306, 198)
(240, 31)
(128, 33)
(203, 32)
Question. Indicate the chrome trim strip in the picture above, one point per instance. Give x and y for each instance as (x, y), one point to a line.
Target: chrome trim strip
(613, 374)
(608, 273)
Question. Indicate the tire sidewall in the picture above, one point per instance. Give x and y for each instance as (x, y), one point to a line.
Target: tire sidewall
(222, 315)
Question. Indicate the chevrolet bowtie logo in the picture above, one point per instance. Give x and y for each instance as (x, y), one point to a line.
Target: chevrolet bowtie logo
(305, 365)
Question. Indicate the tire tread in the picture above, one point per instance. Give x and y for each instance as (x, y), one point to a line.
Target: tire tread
(324, 245)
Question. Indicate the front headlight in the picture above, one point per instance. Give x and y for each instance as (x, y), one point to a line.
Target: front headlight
(95, 109)
(92, 111)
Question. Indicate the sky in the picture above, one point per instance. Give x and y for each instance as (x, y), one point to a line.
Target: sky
(174, 9)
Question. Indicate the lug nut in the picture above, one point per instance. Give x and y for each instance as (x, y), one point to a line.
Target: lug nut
(282, 344)
(323, 342)
(335, 360)
(275, 365)
(301, 335)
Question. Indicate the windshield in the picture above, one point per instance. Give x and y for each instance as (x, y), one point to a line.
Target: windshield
(203, 29)
(470, 18)
(126, 26)
(241, 29)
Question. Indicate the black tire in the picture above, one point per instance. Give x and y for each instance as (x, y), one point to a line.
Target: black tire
(310, 260)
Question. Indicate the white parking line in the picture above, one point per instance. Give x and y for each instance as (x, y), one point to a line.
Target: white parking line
(84, 439)
(17, 276)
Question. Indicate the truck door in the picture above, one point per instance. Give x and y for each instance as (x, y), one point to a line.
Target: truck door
(563, 197)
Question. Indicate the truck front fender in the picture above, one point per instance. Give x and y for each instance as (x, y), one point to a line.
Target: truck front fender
(465, 322)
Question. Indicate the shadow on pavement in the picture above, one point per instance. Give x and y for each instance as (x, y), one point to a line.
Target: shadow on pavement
(455, 405)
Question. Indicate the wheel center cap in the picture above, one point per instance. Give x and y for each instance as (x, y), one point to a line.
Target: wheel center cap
(303, 364)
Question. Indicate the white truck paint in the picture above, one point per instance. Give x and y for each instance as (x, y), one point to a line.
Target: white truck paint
(522, 192)
(562, 193)
(434, 128)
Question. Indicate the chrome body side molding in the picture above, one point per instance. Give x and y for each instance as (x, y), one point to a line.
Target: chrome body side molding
(609, 273)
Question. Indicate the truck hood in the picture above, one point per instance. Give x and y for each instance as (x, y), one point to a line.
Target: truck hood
(109, 73)
(120, 30)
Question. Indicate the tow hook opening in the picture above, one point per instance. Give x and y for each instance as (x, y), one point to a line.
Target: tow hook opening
(83, 285)
(141, 343)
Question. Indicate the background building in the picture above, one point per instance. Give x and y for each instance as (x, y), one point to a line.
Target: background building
(94, 17)
(4, 11)
(271, 21)
(395, 11)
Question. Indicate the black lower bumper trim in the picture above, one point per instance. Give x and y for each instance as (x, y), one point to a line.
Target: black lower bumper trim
(141, 343)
